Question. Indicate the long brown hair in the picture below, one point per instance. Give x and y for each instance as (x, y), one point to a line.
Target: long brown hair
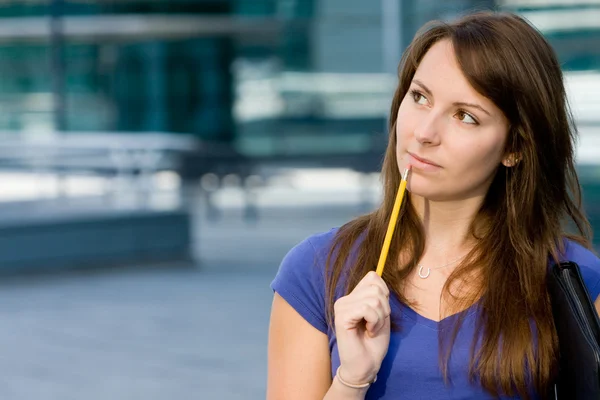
(524, 214)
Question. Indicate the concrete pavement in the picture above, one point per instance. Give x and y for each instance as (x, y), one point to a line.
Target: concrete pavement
(161, 332)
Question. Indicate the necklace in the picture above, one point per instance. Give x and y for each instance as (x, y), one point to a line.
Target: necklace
(425, 276)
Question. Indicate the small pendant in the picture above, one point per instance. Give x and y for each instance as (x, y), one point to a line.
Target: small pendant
(421, 272)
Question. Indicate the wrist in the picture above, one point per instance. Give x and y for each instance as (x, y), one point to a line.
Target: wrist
(353, 382)
(339, 391)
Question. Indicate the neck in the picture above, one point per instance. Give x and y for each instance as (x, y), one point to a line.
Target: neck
(447, 224)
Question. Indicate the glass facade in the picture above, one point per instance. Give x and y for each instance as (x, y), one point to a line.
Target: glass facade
(268, 76)
(308, 78)
(126, 81)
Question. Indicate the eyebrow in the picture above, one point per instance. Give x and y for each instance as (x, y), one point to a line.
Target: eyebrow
(458, 104)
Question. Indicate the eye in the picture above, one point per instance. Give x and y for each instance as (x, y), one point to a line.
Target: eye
(418, 97)
(466, 118)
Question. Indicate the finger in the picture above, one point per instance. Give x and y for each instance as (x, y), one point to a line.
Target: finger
(381, 305)
(373, 297)
(348, 310)
(385, 305)
(371, 278)
(372, 318)
(379, 326)
(351, 318)
(373, 290)
(372, 325)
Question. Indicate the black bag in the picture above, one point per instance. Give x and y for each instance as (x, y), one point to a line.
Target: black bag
(578, 329)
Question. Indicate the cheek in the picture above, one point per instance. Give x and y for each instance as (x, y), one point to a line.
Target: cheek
(403, 125)
(480, 158)
(493, 152)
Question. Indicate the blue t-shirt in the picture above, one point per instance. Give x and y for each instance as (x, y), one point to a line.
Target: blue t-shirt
(410, 369)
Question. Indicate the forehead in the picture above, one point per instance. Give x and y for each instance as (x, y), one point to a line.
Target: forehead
(440, 72)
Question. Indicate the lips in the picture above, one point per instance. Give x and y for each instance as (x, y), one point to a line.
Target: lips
(422, 163)
(424, 160)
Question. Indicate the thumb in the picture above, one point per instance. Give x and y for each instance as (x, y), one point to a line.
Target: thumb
(381, 327)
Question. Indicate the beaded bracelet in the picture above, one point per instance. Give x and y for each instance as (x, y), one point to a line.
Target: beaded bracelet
(352, 385)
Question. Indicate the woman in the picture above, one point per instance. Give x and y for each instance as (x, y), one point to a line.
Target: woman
(462, 310)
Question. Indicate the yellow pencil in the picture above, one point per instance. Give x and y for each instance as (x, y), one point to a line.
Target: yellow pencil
(392, 223)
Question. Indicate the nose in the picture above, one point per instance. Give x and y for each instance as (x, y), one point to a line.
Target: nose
(427, 131)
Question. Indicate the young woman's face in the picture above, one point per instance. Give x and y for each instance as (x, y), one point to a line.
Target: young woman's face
(452, 136)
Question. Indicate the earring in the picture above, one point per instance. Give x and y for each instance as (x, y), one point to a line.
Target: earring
(511, 161)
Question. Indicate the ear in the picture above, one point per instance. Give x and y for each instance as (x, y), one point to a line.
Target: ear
(511, 159)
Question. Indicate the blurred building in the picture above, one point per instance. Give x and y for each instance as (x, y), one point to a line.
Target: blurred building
(267, 76)
(257, 82)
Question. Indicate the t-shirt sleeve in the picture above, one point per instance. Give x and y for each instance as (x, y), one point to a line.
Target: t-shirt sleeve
(591, 277)
(300, 281)
(589, 265)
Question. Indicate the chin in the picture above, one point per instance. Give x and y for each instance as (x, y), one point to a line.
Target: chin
(424, 190)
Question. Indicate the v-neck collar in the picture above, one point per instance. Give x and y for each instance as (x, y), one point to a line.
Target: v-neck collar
(410, 313)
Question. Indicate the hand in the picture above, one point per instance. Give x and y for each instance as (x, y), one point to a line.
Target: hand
(362, 327)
